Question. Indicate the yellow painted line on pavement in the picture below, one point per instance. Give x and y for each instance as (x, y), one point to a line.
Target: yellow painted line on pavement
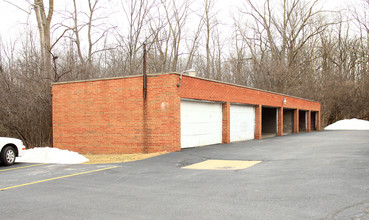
(17, 168)
(56, 178)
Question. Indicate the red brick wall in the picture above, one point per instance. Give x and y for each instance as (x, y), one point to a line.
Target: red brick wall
(280, 122)
(258, 122)
(296, 121)
(308, 119)
(318, 121)
(111, 116)
(195, 88)
(226, 129)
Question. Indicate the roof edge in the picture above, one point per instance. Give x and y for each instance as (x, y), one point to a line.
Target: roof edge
(110, 78)
(177, 73)
(233, 84)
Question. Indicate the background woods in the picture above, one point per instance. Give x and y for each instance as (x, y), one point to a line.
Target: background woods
(289, 46)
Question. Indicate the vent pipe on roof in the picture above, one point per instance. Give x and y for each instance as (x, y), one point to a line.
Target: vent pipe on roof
(190, 72)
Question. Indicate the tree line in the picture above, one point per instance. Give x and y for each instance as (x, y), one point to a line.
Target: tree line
(289, 46)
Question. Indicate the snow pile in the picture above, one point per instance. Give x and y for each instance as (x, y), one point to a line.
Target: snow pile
(349, 124)
(51, 155)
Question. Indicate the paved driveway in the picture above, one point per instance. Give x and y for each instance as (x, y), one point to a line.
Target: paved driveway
(319, 175)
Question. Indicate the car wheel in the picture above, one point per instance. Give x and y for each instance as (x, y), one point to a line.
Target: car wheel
(8, 156)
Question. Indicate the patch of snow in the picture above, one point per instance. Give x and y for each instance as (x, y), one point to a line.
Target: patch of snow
(51, 155)
(349, 124)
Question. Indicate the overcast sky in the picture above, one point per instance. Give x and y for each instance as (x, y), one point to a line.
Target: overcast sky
(13, 19)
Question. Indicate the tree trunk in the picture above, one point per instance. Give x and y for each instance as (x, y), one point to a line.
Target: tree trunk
(43, 22)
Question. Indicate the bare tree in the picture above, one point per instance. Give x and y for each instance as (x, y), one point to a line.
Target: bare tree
(44, 24)
(280, 37)
(193, 44)
(25, 99)
(208, 20)
(176, 17)
(136, 14)
(361, 16)
(90, 26)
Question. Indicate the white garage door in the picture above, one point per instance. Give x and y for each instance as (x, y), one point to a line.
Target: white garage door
(201, 123)
(242, 122)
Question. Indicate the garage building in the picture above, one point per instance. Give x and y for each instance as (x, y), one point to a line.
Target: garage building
(112, 115)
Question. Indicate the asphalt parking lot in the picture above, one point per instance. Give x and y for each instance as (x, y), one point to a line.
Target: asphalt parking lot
(319, 175)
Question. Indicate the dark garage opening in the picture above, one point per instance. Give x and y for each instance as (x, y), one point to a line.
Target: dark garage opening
(269, 122)
(302, 121)
(288, 121)
(313, 121)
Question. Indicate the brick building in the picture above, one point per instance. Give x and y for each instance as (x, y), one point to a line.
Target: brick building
(111, 115)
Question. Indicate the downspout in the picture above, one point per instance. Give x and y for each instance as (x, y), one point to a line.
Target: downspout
(145, 138)
(144, 72)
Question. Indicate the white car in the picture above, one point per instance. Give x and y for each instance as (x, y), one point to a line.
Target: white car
(10, 148)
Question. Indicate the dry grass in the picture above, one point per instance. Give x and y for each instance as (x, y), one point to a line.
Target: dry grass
(118, 158)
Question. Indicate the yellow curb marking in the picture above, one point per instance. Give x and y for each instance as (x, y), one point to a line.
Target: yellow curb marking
(222, 165)
(56, 178)
(16, 168)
